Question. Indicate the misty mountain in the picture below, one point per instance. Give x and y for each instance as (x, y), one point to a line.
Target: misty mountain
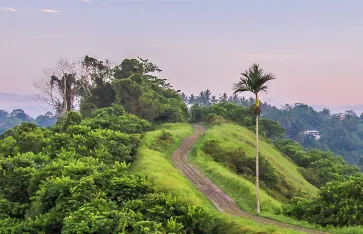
(29, 103)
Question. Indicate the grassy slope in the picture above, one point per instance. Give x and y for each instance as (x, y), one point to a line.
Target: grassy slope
(232, 136)
(159, 168)
(242, 190)
(239, 188)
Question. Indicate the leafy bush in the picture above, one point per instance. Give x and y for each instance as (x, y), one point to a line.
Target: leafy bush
(224, 110)
(237, 160)
(317, 166)
(338, 204)
(115, 118)
(212, 118)
(310, 175)
(162, 141)
(149, 98)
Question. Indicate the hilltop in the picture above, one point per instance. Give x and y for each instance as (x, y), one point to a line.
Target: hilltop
(135, 159)
(154, 159)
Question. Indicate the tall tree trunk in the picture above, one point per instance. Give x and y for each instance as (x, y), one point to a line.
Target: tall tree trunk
(257, 167)
(65, 93)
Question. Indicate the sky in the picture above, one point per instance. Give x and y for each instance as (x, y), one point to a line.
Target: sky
(313, 47)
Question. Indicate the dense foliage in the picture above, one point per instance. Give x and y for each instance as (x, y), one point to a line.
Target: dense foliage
(18, 116)
(338, 204)
(128, 84)
(317, 166)
(144, 96)
(340, 133)
(73, 178)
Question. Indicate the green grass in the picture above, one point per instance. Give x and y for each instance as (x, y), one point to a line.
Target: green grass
(242, 190)
(232, 136)
(346, 230)
(166, 177)
(158, 167)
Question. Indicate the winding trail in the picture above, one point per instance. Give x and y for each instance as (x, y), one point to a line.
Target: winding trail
(220, 200)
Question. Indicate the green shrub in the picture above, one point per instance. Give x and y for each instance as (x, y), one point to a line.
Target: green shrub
(317, 166)
(163, 141)
(337, 204)
(237, 160)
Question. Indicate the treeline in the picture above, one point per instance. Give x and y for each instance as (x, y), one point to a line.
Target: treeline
(340, 133)
(18, 116)
(93, 84)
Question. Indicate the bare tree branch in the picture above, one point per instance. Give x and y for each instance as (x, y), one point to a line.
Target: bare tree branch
(58, 87)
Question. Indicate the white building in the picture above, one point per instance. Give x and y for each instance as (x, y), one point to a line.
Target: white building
(314, 133)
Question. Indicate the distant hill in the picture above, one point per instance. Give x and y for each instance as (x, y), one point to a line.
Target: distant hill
(340, 109)
(11, 119)
(28, 103)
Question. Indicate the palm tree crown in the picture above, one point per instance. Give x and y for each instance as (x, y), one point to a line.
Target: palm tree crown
(253, 80)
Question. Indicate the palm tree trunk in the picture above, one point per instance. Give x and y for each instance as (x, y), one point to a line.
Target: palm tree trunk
(257, 169)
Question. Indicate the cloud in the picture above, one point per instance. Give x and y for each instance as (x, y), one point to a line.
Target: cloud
(85, 0)
(9, 9)
(49, 11)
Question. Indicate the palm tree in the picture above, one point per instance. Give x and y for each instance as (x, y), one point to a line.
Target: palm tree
(207, 95)
(213, 99)
(223, 97)
(254, 80)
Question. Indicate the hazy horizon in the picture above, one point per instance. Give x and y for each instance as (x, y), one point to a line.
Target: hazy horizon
(34, 107)
(313, 48)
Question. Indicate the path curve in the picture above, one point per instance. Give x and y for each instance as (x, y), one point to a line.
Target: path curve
(220, 200)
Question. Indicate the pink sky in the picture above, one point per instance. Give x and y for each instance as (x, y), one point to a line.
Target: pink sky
(314, 48)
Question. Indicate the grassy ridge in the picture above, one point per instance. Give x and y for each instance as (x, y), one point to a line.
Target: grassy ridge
(232, 136)
(165, 176)
(244, 191)
(238, 188)
(158, 167)
(241, 190)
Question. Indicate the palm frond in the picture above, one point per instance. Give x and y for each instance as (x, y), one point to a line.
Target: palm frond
(268, 77)
(253, 80)
(263, 88)
(241, 86)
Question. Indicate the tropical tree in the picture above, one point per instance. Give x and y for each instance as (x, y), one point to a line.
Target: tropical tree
(254, 80)
(214, 100)
(61, 86)
(223, 97)
(192, 99)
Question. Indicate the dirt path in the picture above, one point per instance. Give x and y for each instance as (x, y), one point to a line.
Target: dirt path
(221, 200)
